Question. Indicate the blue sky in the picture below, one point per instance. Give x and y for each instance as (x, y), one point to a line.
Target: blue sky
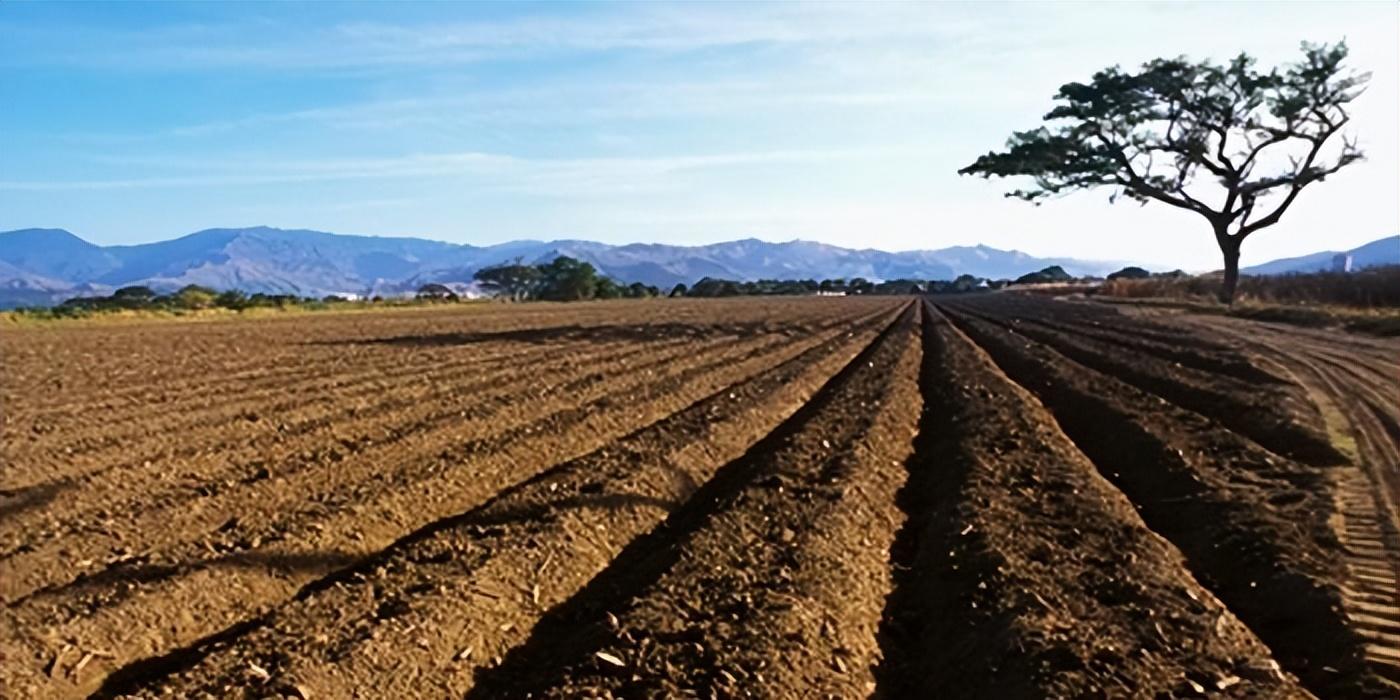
(686, 123)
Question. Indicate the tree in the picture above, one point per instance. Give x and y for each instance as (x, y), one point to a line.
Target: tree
(567, 279)
(232, 299)
(1161, 133)
(514, 280)
(679, 290)
(1054, 273)
(606, 288)
(966, 283)
(1129, 273)
(433, 290)
(133, 296)
(193, 296)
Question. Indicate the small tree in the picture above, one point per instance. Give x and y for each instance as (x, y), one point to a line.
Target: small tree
(1156, 134)
(133, 296)
(193, 296)
(679, 290)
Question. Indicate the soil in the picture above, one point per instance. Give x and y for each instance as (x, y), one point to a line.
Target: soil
(998, 497)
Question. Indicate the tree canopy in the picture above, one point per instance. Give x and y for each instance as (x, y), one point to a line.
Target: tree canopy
(514, 279)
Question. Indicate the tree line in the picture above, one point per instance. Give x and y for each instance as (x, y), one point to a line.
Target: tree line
(561, 279)
(568, 279)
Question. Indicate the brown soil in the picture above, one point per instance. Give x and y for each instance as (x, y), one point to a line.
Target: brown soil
(1256, 528)
(775, 578)
(1025, 574)
(450, 598)
(748, 497)
(1279, 416)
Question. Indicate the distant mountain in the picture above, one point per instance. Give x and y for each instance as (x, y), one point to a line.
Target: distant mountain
(47, 265)
(1385, 251)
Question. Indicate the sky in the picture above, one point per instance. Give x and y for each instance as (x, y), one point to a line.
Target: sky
(686, 123)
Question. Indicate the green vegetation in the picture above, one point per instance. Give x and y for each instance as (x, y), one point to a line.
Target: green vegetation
(561, 279)
(1176, 129)
(1049, 275)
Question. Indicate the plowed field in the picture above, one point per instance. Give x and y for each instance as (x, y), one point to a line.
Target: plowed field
(991, 496)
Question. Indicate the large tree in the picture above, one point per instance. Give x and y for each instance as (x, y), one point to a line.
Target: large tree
(514, 279)
(1228, 142)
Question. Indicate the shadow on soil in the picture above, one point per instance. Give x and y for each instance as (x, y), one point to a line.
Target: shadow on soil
(23, 500)
(577, 333)
(577, 626)
(120, 580)
(924, 605)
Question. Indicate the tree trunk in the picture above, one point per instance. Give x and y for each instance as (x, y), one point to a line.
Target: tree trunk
(1231, 250)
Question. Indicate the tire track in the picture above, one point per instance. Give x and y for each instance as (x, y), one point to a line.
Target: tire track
(1364, 426)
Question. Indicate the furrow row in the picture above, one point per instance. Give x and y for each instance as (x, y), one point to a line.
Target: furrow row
(456, 594)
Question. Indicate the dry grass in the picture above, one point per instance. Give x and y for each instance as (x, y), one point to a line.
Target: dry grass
(1367, 289)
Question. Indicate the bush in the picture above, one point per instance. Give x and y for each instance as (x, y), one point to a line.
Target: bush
(1049, 275)
(194, 296)
(1130, 273)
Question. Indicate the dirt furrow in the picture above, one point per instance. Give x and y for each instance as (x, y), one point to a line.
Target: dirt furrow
(1254, 527)
(113, 430)
(1021, 572)
(125, 358)
(140, 362)
(341, 360)
(1220, 362)
(175, 471)
(1360, 422)
(769, 580)
(236, 416)
(129, 538)
(238, 585)
(419, 619)
(217, 466)
(1277, 416)
(404, 360)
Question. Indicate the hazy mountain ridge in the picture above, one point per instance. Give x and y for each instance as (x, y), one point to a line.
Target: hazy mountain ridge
(1385, 251)
(40, 266)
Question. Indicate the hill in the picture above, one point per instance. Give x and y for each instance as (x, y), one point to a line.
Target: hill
(1385, 251)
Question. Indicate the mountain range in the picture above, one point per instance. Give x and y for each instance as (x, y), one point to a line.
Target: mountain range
(1385, 251)
(44, 266)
